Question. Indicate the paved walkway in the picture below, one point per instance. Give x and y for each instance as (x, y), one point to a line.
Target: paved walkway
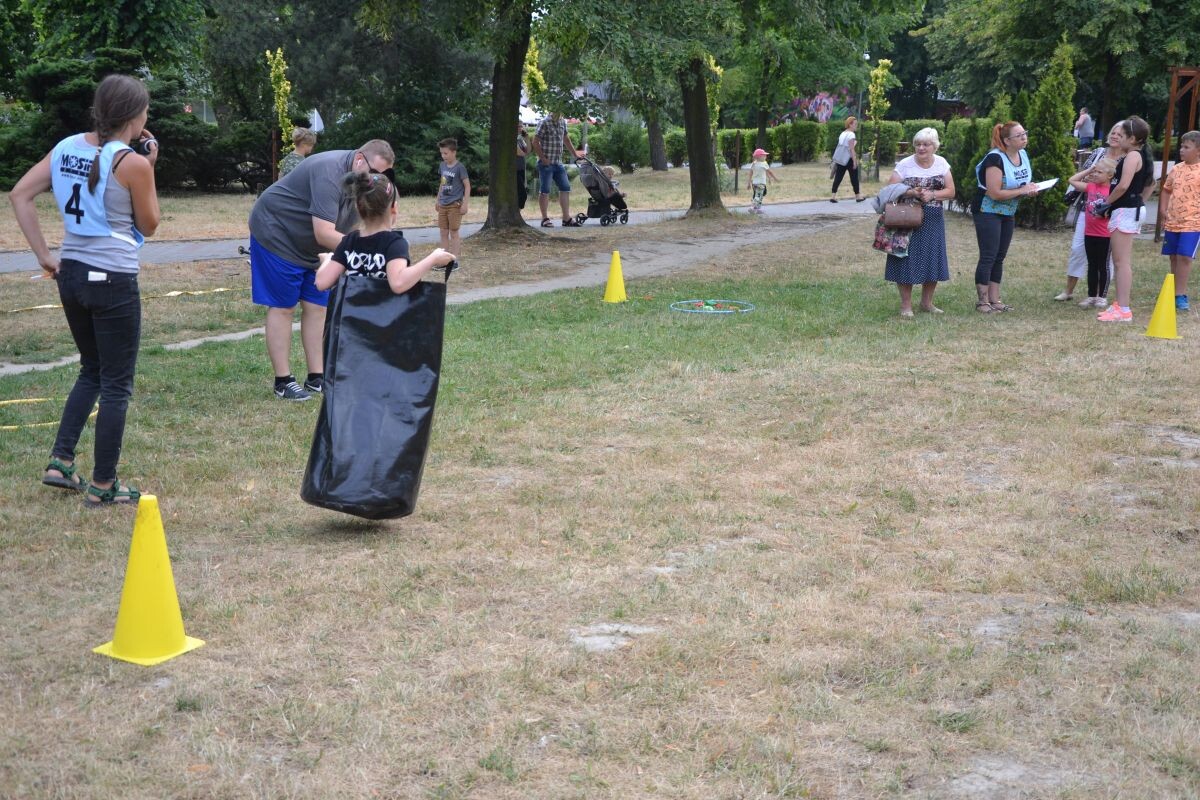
(638, 260)
(174, 252)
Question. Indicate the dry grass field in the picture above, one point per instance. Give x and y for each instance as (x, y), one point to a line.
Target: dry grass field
(814, 551)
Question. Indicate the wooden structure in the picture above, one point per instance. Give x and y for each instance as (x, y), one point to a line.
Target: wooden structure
(1184, 81)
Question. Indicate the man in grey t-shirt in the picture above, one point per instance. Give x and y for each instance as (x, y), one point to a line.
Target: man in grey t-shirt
(1085, 128)
(301, 215)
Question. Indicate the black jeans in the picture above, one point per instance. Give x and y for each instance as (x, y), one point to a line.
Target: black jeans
(105, 317)
(1096, 248)
(993, 232)
(840, 171)
(522, 187)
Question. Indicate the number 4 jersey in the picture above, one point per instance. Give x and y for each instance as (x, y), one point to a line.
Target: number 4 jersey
(99, 225)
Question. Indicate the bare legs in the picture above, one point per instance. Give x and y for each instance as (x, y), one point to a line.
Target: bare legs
(1122, 255)
(279, 337)
(927, 290)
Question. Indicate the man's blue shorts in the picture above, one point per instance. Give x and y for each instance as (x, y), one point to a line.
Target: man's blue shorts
(278, 283)
(1184, 243)
(556, 171)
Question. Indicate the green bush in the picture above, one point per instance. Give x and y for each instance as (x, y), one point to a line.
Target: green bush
(833, 129)
(676, 140)
(890, 134)
(728, 142)
(911, 126)
(967, 141)
(777, 143)
(806, 140)
(623, 144)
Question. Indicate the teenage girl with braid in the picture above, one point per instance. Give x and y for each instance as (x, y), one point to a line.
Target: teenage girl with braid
(106, 196)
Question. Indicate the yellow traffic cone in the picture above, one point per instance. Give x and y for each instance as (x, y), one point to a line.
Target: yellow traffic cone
(149, 626)
(1162, 322)
(615, 291)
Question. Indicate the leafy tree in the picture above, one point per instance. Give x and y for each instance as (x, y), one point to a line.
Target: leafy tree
(679, 40)
(1122, 49)
(281, 89)
(1050, 145)
(17, 39)
(163, 30)
(1020, 108)
(882, 79)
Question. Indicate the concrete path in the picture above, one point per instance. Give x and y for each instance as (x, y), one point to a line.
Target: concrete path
(173, 252)
(638, 260)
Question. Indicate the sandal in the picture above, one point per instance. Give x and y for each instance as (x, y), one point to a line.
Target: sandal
(546, 223)
(998, 306)
(67, 480)
(984, 307)
(115, 495)
(570, 223)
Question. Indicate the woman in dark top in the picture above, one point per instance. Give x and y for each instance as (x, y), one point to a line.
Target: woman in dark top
(1002, 178)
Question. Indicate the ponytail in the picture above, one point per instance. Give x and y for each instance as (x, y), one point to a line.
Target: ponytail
(119, 98)
(373, 193)
(1000, 132)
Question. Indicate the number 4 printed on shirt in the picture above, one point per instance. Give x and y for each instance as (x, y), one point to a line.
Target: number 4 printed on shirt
(73, 206)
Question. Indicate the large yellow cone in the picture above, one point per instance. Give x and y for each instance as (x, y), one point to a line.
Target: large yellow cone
(1162, 323)
(149, 626)
(615, 291)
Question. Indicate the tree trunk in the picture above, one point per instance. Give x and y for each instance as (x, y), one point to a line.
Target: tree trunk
(762, 111)
(702, 168)
(658, 145)
(1108, 113)
(503, 210)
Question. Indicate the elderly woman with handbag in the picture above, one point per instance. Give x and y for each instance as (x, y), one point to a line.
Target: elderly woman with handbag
(927, 176)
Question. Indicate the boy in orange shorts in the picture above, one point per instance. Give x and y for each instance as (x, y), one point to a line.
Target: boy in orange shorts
(1180, 207)
(454, 190)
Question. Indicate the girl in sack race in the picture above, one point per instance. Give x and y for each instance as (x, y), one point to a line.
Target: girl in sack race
(383, 342)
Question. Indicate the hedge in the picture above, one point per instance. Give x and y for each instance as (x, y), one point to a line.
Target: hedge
(911, 126)
(676, 140)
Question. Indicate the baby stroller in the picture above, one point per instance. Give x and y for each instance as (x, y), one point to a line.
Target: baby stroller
(604, 201)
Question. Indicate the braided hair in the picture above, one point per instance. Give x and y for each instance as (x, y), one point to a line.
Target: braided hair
(118, 99)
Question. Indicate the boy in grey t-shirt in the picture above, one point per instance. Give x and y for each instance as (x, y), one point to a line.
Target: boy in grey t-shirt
(454, 191)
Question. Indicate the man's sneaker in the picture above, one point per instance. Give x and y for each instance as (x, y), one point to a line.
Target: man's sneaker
(292, 391)
(1181, 302)
(1115, 314)
(315, 385)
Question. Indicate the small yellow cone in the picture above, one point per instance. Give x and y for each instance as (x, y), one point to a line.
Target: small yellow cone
(149, 626)
(615, 291)
(1162, 322)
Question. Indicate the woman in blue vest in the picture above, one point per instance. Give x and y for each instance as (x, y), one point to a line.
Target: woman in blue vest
(106, 196)
(1003, 177)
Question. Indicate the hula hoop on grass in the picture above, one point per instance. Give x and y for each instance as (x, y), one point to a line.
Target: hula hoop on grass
(712, 306)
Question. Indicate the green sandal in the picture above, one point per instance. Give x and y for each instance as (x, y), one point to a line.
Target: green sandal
(68, 478)
(115, 495)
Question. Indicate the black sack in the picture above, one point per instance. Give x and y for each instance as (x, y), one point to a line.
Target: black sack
(383, 355)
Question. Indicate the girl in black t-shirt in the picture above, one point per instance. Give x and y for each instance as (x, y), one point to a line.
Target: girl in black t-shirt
(375, 250)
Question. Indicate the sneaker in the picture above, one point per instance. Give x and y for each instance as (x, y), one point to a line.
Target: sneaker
(1115, 314)
(292, 391)
(1181, 302)
(316, 385)
(1064, 296)
(1100, 302)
